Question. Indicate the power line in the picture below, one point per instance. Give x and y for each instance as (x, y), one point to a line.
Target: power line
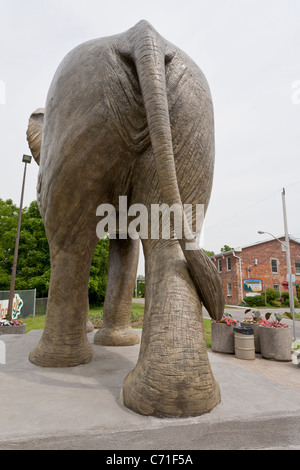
(292, 184)
(252, 205)
(242, 211)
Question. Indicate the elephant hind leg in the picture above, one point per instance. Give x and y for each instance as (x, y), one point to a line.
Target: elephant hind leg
(172, 377)
(64, 342)
(122, 268)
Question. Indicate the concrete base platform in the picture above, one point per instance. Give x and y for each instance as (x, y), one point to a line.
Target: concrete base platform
(79, 407)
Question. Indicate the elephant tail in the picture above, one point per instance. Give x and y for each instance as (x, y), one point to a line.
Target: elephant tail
(148, 51)
(34, 133)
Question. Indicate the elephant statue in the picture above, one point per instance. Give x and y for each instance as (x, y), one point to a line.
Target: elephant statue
(130, 115)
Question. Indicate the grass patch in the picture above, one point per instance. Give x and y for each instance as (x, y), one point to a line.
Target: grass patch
(34, 323)
(96, 317)
(290, 316)
(207, 330)
(136, 315)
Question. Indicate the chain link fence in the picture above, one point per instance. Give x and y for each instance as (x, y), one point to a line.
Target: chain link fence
(29, 301)
(41, 306)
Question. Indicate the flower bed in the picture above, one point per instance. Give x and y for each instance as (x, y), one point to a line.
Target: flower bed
(272, 324)
(228, 321)
(13, 327)
(257, 321)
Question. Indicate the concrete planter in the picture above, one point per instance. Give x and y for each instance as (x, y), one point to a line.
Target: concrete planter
(222, 338)
(276, 343)
(256, 328)
(13, 330)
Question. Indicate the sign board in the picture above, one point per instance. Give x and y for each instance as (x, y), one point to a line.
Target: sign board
(16, 310)
(253, 285)
(292, 276)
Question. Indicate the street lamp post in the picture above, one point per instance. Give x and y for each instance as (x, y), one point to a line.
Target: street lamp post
(26, 159)
(288, 261)
(288, 256)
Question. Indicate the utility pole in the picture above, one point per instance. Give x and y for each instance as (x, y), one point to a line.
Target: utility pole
(26, 159)
(288, 263)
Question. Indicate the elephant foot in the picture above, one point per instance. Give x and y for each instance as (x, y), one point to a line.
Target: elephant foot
(50, 354)
(89, 326)
(164, 397)
(108, 336)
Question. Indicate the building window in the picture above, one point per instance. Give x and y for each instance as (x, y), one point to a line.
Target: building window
(274, 265)
(229, 291)
(228, 260)
(297, 266)
(219, 265)
(276, 287)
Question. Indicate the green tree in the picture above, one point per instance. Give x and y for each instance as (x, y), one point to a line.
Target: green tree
(209, 253)
(98, 272)
(226, 248)
(33, 267)
(8, 231)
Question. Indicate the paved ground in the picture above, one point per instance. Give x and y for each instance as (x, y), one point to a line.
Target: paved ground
(79, 407)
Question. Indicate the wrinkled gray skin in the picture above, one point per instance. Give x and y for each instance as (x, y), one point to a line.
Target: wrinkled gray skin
(129, 115)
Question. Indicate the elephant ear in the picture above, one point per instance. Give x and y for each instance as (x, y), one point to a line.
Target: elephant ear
(34, 133)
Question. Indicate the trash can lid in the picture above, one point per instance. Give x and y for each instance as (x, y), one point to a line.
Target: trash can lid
(244, 330)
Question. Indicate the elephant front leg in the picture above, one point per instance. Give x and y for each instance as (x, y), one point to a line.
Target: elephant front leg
(122, 269)
(173, 377)
(64, 341)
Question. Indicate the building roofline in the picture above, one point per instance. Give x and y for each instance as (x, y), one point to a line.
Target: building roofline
(239, 249)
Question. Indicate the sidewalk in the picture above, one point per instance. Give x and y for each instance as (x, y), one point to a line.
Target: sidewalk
(284, 373)
(79, 407)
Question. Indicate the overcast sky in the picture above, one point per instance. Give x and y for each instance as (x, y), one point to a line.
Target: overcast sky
(249, 51)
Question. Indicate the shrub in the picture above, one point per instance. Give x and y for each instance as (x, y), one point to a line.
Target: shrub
(272, 295)
(285, 298)
(275, 303)
(285, 295)
(255, 301)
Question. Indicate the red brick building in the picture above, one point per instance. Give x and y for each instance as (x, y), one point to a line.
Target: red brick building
(251, 269)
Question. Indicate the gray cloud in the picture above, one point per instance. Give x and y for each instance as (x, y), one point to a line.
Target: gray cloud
(249, 52)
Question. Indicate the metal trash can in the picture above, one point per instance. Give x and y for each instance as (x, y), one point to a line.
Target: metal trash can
(244, 342)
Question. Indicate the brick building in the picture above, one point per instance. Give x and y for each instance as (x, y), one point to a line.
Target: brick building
(251, 269)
